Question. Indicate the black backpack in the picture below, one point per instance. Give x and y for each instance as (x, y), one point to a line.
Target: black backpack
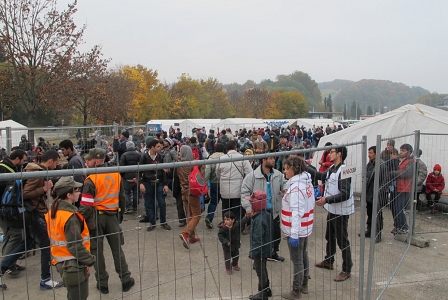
(12, 208)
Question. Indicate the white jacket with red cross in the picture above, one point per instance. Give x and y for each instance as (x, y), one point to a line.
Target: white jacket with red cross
(298, 207)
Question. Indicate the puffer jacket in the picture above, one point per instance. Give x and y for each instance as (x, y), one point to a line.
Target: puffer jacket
(231, 175)
(298, 207)
(435, 182)
(130, 158)
(256, 181)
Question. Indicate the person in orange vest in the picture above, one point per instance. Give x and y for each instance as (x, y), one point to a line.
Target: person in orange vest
(69, 239)
(103, 203)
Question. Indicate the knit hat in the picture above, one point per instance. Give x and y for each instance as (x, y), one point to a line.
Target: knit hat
(170, 141)
(258, 200)
(130, 145)
(437, 167)
(125, 134)
(391, 142)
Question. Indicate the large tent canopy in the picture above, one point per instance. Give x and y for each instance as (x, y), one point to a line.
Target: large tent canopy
(401, 121)
(17, 130)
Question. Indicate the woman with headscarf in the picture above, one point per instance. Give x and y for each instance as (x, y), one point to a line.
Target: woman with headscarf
(192, 204)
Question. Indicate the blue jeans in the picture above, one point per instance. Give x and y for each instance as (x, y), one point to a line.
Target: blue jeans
(398, 205)
(215, 196)
(130, 188)
(152, 195)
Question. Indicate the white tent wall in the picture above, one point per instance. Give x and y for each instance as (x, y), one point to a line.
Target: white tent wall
(17, 130)
(401, 121)
(239, 123)
(309, 123)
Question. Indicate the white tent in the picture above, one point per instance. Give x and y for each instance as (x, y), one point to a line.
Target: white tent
(309, 123)
(399, 122)
(239, 123)
(17, 130)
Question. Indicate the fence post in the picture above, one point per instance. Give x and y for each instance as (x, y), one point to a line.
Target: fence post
(8, 139)
(374, 217)
(414, 182)
(362, 218)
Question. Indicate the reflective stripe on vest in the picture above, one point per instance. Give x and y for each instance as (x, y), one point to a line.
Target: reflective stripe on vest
(58, 240)
(107, 190)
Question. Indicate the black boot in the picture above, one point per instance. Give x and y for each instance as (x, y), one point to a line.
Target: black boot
(263, 294)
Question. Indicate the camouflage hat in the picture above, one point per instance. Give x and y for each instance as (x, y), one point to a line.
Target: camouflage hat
(65, 185)
(96, 153)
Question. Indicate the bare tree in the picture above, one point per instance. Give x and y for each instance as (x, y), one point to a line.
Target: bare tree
(38, 43)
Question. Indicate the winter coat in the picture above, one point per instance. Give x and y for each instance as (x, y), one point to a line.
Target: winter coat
(435, 182)
(33, 191)
(298, 207)
(231, 175)
(231, 235)
(260, 146)
(130, 158)
(255, 181)
(119, 146)
(151, 175)
(404, 175)
(370, 179)
(261, 235)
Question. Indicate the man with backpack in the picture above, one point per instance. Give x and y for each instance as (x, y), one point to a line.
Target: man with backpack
(12, 229)
(196, 149)
(35, 197)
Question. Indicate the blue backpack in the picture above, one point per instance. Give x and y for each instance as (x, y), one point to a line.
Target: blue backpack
(12, 209)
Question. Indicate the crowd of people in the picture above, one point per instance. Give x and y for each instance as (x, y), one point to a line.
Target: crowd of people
(69, 217)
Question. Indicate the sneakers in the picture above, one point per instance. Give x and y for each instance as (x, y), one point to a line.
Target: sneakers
(402, 231)
(166, 226)
(184, 238)
(394, 231)
(324, 265)
(229, 272)
(127, 286)
(295, 293)
(276, 257)
(433, 209)
(194, 240)
(129, 211)
(342, 277)
(236, 268)
(104, 289)
(151, 228)
(208, 223)
(15, 270)
(182, 223)
(49, 284)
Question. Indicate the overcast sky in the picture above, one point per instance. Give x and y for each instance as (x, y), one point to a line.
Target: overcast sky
(237, 40)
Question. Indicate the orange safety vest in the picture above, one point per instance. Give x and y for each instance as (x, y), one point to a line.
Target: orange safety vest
(107, 191)
(58, 240)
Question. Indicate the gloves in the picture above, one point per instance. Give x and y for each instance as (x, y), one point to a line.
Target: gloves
(294, 242)
(120, 218)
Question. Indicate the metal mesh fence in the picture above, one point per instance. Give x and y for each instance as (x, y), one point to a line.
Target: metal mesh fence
(164, 269)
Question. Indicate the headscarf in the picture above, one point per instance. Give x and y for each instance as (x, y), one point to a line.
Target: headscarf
(185, 153)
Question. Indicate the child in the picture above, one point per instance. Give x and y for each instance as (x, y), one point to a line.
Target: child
(229, 236)
(435, 183)
(260, 243)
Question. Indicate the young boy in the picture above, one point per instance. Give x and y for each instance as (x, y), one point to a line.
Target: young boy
(260, 243)
(229, 236)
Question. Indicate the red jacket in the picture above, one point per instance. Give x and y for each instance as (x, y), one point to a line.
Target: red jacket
(404, 180)
(326, 161)
(433, 182)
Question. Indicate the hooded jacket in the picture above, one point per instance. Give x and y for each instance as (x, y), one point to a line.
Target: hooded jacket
(435, 182)
(231, 235)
